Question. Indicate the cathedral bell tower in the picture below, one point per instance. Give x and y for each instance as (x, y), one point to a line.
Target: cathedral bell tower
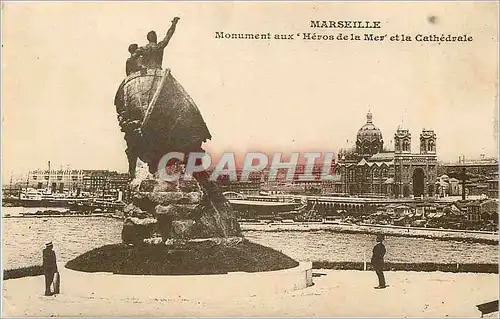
(427, 142)
(402, 141)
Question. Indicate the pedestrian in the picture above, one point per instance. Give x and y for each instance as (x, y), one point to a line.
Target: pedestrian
(50, 269)
(378, 261)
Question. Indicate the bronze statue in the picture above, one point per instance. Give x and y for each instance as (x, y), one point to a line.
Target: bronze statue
(158, 116)
(152, 53)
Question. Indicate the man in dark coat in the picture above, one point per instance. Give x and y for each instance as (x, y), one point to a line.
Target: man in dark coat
(378, 261)
(49, 268)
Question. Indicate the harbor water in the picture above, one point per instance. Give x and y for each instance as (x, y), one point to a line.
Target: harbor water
(24, 239)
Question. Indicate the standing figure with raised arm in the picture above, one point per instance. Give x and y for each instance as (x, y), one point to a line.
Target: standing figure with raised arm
(152, 53)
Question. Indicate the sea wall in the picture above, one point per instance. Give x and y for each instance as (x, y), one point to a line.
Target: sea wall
(22, 272)
(426, 267)
(343, 265)
(429, 233)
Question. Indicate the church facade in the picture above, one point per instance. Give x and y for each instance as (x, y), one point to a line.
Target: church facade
(368, 169)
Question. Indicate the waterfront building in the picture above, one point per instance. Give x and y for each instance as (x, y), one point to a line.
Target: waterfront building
(479, 188)
(118, 181)
(369, 169)
(483, 210)
(60, 180)
(493, 188)
(455, 187)
(243, 187)
(252, 186)
(259, 181)
(98, 181)
(446, 186)
(66, 180)
(95, 180)
(478, 175)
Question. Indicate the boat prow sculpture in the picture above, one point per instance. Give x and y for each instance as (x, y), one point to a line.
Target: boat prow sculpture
(168, 119)
(158, 116)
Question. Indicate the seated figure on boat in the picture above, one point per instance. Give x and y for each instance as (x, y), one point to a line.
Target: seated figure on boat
(134, 62)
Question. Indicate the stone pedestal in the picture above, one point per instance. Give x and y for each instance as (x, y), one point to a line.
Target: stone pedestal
(181, 210)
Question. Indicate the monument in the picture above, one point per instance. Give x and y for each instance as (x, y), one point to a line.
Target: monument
(158, 116)
(173, 227)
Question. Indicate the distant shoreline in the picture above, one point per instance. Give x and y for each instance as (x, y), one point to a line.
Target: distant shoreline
(65, 216)
(388, 230)
(482, 237)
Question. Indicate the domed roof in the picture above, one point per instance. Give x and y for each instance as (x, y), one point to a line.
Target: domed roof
(444, 178)
(369, 132)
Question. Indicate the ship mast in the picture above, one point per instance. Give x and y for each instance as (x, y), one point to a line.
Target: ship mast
(27, 183)
(10, 184)
(48, 180)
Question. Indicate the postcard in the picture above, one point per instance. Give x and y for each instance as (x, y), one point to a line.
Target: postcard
(263, 159)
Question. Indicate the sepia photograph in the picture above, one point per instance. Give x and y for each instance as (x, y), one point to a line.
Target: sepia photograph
(250, 159)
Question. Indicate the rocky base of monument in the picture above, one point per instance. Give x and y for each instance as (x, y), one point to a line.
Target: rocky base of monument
(186, 227)
(162, 211)
(190, 257)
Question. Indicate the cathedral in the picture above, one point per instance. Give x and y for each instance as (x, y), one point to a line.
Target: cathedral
(370, 170)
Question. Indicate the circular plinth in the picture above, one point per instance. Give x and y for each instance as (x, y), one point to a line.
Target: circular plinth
(107, 285)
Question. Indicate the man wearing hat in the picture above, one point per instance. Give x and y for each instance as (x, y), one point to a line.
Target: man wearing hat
(378, 261)
(49, 268)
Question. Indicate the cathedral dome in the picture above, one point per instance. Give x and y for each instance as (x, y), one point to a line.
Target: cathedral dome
(369, 132)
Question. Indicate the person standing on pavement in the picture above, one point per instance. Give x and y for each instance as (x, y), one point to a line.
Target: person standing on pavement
(49, 266)
(378, 261)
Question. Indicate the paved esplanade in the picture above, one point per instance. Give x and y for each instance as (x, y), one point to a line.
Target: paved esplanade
(336, 293)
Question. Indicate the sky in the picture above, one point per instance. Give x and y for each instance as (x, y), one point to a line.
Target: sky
(62, 64)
